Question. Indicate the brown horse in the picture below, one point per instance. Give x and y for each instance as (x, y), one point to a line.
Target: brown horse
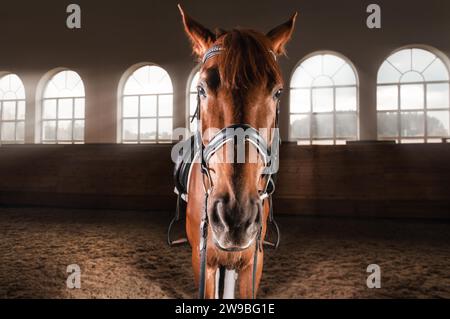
(240, 83)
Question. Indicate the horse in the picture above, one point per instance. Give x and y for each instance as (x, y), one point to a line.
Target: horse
(240, 86)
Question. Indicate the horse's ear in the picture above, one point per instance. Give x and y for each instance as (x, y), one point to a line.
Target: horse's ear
(281, 35)
(202, 38)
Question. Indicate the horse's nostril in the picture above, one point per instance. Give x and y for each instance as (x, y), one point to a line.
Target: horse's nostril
(236, 217)
(218, 214)
(253, 215)
(215, 214)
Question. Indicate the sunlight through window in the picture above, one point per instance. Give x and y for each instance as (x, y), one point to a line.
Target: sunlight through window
(324, 101)
(147, 106)
(12, 110)
(413, 97)
(63, 109)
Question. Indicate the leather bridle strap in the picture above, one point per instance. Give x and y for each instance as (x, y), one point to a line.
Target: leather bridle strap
(203, 246)
(204, 224)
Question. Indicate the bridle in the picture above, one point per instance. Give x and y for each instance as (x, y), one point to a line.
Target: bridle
(269, 155)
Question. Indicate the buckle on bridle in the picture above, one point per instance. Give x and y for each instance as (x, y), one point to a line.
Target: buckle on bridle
(265, 193)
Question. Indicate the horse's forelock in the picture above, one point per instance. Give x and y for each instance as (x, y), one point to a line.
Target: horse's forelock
(247, 61)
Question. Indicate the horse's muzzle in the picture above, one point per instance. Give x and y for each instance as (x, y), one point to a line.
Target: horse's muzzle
(235, 224)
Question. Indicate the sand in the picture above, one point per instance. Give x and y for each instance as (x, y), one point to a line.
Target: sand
(123, 254)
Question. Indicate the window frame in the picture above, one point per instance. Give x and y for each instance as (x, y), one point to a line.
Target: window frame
(139, 117)
(72, 119)
(426, 138)
(334, 139)
(122, 96)
(16, 121)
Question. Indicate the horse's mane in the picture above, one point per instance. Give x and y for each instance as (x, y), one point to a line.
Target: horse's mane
(247, 60)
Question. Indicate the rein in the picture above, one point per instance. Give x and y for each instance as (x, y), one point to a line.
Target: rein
(268, 155)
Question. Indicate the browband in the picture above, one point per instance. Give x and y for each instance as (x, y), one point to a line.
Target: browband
(213, 51)
(217, 49)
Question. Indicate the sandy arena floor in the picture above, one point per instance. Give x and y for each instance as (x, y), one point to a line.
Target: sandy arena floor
(124, 255)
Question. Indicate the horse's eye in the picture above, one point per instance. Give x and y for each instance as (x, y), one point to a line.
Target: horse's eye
(201, 91)
(278, 94)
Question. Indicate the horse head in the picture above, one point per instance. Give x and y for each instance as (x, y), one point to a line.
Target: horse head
(239, 87)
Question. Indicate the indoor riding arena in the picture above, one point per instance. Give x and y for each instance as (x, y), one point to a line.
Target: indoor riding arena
(90, 96)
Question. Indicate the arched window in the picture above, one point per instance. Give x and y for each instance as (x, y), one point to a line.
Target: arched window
(324, 101)
(12, 109)
(63, 109)
(147, 106)
(193, 101)
(413, 97)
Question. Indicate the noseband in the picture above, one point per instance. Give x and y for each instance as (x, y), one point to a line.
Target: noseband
(268, 155)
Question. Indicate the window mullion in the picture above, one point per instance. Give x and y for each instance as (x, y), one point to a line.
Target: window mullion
(157, 120)
(57, 121)
(1, 121)
(16, 107)
(425, 105)
(399, 114)
(311, 106)
(334, 116)
(139, 120)
(73, 119)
